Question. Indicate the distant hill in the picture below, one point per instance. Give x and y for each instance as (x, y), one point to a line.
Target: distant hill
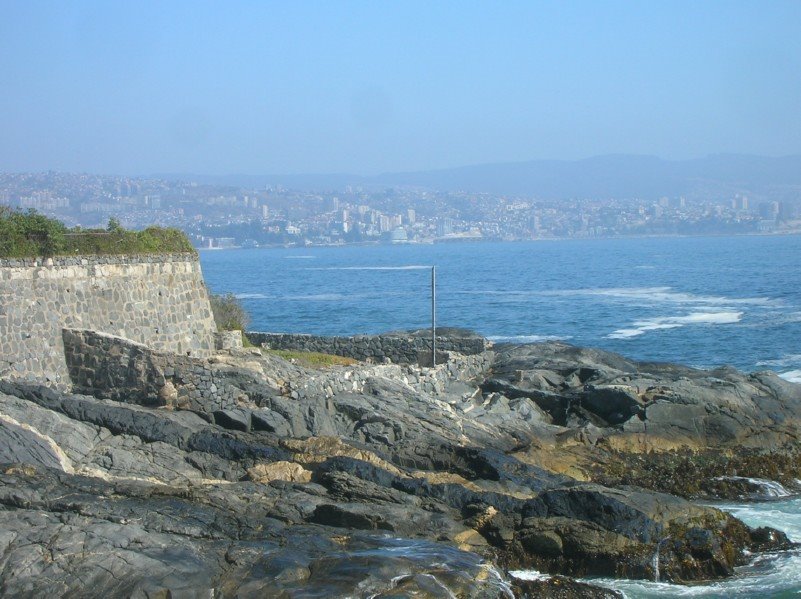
(619, 176)
(615, 176)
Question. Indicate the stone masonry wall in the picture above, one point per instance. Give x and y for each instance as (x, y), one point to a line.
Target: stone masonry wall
(399, 348)
(122, 370)
(160, 301)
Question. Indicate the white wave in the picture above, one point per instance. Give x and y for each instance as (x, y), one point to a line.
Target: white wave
(529, 575)
(786, 360)
(662, 295)
(784, 514)
(250, 296)
(320, 297)
(625, 333)
(767, 488)
(410, 267)
(671, 322)
(645, 267)
(794, 376)
(527, 338)
(643, 326)
(706, 318)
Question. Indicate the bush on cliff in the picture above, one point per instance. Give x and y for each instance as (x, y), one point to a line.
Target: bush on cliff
(30, 234)
(229, 315)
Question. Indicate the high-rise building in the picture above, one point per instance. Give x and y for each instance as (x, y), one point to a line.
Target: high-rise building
(768, 210)
(444, 227)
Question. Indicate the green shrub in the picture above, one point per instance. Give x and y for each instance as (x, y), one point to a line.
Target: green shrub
(24, 234)
(229, 315)
(29, 234)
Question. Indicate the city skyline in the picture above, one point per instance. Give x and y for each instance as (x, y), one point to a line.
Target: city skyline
(219, 216)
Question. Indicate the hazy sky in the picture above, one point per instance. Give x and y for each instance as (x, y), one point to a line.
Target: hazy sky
(364, 87)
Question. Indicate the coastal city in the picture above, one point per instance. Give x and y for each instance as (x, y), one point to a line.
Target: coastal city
(222, 216)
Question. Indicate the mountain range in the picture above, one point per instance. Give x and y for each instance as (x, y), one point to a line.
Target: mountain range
(611, 176)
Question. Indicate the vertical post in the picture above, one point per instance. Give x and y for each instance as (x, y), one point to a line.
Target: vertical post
(433, 316)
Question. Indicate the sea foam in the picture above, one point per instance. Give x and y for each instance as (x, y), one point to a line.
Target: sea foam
(641, 327)
(794, 376)
(665, 295)
(784, 361)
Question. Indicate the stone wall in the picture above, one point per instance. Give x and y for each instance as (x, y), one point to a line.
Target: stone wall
(397, 347)
(160, 301)
(115, 368)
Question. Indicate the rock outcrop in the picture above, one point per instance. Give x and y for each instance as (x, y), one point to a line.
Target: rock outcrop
(245, 475)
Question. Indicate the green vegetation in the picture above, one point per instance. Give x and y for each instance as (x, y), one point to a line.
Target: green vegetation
(311, 359)
(29, 235)
(229, 315)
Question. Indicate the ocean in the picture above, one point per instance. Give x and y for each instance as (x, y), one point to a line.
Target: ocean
(701, 301)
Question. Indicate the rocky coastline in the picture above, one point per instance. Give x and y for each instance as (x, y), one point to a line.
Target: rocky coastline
(243, 474)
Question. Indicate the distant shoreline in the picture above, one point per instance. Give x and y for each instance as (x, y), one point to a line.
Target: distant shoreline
(496, 240)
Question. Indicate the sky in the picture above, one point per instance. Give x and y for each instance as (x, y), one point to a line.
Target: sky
(136, 88)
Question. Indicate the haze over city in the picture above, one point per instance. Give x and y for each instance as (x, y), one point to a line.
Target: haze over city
(365, 88)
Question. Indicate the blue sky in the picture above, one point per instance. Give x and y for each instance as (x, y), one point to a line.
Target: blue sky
(374, 86)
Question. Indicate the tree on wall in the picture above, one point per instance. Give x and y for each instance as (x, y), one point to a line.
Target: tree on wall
(114, 226)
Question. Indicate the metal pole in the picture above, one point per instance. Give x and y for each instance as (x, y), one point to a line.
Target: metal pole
(433, 316)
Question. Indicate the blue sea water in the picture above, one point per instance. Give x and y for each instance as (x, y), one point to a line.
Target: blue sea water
(701, 301)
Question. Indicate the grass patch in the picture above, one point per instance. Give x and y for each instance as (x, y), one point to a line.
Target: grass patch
(311, 359)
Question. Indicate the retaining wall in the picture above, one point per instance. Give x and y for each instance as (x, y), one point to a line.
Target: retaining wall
(160, 301)
(115, 368)
(398, 348)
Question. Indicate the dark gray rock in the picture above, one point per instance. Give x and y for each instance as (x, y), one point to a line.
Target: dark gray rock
(78, 536)
(421, 455)
(560, 587)
(20, 445)
(233, 419)
(271, 421)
